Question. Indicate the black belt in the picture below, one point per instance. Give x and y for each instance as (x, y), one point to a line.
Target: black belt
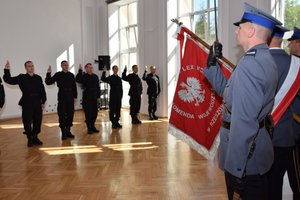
(226, 124)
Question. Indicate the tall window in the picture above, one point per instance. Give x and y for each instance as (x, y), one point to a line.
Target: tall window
(199, 16)
(123, 38)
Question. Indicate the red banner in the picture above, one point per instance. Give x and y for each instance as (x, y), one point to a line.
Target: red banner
(196, 108)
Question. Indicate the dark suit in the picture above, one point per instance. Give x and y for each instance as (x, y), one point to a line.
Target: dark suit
(2, 94)
(283, 137)
(115, 96)
(67, 92)
(152, 91)
(91, 94)
(135, 92)
(33, 96)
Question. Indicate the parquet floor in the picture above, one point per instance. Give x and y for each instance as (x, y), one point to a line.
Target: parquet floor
(135, 162)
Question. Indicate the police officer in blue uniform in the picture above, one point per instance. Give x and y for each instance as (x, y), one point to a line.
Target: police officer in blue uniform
(153, 91)
(246, 150)
(294, 174)
(283, 137)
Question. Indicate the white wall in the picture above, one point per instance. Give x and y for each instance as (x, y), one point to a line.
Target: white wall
(41, 30)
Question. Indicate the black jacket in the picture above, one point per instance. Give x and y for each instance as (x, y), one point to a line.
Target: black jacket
(2, 94)
(153, 84)
(115, 82)
(135, 82)
(32, 87)
(67, 90)
(90, 85)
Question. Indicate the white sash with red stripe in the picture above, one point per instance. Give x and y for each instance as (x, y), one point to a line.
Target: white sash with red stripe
(288, 90)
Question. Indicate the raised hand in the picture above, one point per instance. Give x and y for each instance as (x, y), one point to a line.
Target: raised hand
(80, 67)
(49, 69)
(218, 47)
(7, 65)
(125, 68)
(105, 68)
(146, 68)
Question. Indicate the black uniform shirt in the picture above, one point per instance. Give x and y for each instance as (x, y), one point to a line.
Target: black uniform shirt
(115, 82)
(67, 90)
(90, 85)
(153, 84)
(32, 87)
(135, 83)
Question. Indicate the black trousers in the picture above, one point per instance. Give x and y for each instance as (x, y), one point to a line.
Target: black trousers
(252, 187)
(32, 118)
(90, 107)
(152, 104)
(114, 109)
(65, 112)
(135, 105)
(294, 173)
(283, 162)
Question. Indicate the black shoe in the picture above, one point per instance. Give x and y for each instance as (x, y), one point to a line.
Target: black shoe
(90, 131)
(154, 116)
(70, 135)
(151, 118)
(114, 126)
(63, 136)
(36, 140)
(138, 121)
(119, 125)
(29, 141)
(95, 130)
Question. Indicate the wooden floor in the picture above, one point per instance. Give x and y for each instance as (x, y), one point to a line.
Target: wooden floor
(135, 162)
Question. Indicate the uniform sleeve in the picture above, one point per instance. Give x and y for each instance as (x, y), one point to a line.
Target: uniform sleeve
(145, 76)
(98, 88)
(124, 77)
(74, 88)
(296, 104)
(43, 92)
(104, 78)
(79, 76)
(158, 86)
(2, 94)
(50, 80)
(10, 80)
(247, 92)
(216, 78)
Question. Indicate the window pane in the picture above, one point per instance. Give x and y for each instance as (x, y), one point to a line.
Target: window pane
(212, 31)
(212, 4)
(123, 16)
(200, 25)
(132, 14)
(123, 61)
(132, 40)
(123, 39)
(186, 21)
(185, 6)
(113, 23)
(114, 45)
(132, 59)
(200, 5)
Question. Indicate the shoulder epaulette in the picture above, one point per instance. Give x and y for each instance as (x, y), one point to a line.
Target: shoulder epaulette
(251, 53)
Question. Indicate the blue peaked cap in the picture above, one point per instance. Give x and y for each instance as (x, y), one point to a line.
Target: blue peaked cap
(296, 34)
(279, 31)
(257, 16)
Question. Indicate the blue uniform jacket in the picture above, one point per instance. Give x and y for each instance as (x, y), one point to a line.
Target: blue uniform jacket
(248, 97)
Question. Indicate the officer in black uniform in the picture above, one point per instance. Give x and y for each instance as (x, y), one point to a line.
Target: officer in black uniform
(67, 94)
(153, 91)
(2, 95)
(32, 101)
(135, 92)
(115, 95)
(91, 95)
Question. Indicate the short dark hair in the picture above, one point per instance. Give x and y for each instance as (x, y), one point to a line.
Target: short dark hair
(114, 66)
(133, 66)
(27, 62)
(63, 62)
(87, 65)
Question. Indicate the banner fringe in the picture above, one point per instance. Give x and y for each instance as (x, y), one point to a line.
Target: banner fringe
(208, 154)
